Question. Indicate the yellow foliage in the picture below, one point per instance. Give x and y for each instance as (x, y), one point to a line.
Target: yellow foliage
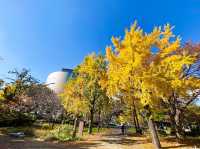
(81, 90)
(150, 75)
(122, 119)
(72, 98)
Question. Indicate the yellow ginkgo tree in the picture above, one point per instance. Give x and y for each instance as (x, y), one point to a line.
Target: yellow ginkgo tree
(93, 70)
(148, 66)
(83, 93)
(74, 101)
(182, 75)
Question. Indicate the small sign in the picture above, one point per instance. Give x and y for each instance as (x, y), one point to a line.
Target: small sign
(81, 126)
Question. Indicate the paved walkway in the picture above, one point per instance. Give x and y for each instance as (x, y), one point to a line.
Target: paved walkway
(114, 140)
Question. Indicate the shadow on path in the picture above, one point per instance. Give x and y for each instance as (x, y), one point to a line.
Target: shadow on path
(7, 142)
(115, 137)
(112, 140)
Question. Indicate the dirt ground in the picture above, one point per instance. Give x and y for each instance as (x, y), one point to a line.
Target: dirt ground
(111, 140)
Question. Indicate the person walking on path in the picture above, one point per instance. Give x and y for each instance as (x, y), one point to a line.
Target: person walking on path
(123, 129)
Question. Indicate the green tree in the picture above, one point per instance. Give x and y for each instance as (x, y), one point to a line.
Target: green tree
(20, 82)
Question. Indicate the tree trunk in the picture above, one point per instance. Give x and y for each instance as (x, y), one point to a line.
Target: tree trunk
(136, 121)
(154, 134)
(99, 120)
(138, 130)
(91, 121)
(74, 128)
(172, 115)
(133, 115)
(176, 122)
(178, 125)
(52, 125)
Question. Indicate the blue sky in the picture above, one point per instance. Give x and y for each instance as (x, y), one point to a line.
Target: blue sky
(47, 35)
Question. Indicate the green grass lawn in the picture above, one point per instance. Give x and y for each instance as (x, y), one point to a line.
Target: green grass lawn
(94, 130)
(131, 130)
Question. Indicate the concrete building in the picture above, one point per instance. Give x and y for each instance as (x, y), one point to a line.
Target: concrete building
(56, 80)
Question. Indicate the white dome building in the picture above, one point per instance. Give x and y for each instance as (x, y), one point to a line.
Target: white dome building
(57, 80)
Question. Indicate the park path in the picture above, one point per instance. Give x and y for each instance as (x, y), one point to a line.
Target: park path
(110, 140)
(114, 140)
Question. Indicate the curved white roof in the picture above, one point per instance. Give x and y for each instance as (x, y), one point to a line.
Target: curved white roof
(57, 80)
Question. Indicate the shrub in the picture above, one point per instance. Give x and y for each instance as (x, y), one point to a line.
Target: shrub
(61, 133)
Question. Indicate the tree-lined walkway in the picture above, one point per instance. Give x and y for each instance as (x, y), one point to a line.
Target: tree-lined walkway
(111, 140)
(114, 140)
